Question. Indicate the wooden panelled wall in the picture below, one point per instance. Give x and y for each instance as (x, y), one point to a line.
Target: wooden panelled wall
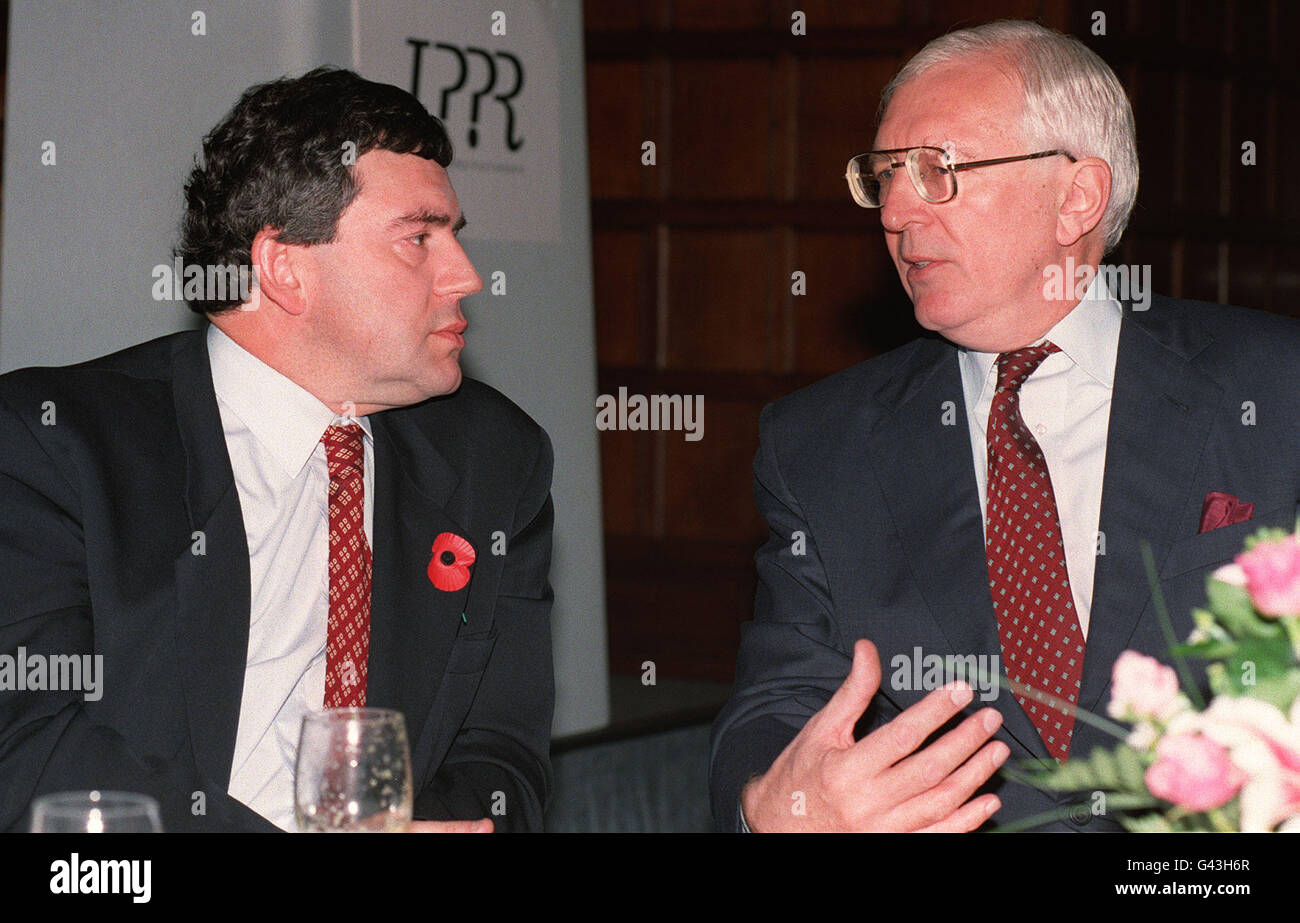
(752, 128)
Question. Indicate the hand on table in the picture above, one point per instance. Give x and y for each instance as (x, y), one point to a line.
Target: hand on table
(825, 781)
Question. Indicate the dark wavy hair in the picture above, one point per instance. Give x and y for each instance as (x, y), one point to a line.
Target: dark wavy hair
(278, 159)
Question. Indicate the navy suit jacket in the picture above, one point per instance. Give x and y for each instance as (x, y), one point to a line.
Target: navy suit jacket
(885, 495)
(109, 469)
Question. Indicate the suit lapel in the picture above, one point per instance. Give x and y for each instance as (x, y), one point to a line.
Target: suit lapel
(212, 588)
(1160, 420)
(927, 474)
(412, 623)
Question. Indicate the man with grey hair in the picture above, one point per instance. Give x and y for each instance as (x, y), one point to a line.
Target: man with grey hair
(1094, 423)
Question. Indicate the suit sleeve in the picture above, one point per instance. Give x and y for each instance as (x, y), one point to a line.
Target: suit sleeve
(499, 765)
(792, 658)
(49, 739)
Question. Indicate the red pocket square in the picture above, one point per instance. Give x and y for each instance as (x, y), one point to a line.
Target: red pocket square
(1222, 509)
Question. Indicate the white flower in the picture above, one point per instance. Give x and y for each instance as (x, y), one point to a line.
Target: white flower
(1264, 744)
(1231, 574)
(1143, 736)
(1144, 688)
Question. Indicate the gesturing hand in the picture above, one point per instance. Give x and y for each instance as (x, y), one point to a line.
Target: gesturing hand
(825, 781)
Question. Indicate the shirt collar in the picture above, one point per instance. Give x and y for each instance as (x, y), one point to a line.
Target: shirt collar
(1088, 335)
(286, 419)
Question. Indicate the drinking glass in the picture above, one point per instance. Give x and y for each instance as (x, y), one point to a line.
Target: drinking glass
(353, 772)
(95, 812)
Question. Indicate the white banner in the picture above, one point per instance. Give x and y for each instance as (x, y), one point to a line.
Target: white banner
(490, 73)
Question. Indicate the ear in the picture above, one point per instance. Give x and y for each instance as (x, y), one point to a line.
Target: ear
(1086, 195)
(279, 271)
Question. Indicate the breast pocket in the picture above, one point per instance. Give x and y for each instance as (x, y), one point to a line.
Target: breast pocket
(1220, 546)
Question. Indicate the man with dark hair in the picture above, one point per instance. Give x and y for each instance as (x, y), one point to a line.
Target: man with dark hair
(302, 505)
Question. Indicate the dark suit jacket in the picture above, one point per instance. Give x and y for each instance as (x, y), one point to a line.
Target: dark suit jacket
(101, 510)
(885, 494)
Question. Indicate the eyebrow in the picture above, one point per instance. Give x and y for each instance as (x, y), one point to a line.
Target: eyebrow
(426, 217)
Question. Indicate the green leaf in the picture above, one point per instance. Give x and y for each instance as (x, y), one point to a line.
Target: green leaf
(1194, 823)
(1121, 771)
(1207, 650)
(1146, 823)
(1219, 682)
(1132, 769)
(1233, 608)
(1105, 769)
(1278, 690)
(1270, 534)
(1072, 777)
(1270, 659)
(1232, 811)
(1205, 621)
(1075, 775)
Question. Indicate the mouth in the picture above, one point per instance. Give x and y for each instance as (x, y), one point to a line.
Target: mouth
(920, 267)
(454, 332)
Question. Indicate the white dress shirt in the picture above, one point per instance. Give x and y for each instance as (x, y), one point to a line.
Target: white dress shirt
(273, 430)
(1066, 405)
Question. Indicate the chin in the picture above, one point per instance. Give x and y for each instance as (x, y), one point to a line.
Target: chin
(938, 310)
(934, 312)
(445, 381)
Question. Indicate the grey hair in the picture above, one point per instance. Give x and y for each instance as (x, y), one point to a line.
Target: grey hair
(1073, 100)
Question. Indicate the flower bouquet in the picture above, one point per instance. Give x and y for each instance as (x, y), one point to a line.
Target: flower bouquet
(1234, 764)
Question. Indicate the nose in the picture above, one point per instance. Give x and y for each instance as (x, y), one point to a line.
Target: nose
(456, 274)
(903, 205)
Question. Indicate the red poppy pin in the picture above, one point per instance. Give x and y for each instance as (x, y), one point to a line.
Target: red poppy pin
(449, 566)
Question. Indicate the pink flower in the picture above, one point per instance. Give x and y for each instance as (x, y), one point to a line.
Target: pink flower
(1264, 744)
(1273, 576)
(1143, 687)
(1193, 772)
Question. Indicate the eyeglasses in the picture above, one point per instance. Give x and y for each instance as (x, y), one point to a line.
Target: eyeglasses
(934, 178)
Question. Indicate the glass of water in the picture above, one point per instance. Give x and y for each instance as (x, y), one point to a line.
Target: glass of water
(95, 812)
(353, 772)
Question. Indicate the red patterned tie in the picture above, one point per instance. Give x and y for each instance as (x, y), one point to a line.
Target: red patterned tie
(1042, 644)
(347, 647)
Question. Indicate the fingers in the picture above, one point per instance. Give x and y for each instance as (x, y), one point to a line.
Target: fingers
(943, 804)
(483, 825)
(895, 740)
(923, 771)
(838, 717)
(969, 817)
(881, 782)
